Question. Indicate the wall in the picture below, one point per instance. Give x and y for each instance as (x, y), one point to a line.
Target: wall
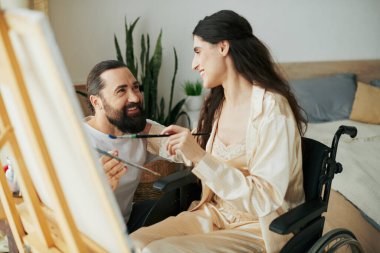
(294, 30)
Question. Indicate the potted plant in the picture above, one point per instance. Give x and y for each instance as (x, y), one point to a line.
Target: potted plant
(193, 91)
(148, 76)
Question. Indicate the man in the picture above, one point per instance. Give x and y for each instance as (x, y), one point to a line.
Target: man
(115, 98)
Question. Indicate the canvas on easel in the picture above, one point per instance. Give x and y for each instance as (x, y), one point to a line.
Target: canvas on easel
(59, 174)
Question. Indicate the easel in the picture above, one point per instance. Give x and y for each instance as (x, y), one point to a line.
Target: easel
(35, 227)
(41, 239)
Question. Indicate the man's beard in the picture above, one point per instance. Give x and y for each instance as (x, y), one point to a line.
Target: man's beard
(127, 124)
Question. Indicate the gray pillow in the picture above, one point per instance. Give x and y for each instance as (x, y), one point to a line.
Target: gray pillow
(375, 83)
(327, 98)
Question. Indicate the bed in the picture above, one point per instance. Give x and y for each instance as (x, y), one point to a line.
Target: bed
(346, 93)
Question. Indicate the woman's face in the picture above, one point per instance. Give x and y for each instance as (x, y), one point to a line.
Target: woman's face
(209, 61)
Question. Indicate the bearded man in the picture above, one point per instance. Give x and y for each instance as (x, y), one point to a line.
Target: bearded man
(116, 100)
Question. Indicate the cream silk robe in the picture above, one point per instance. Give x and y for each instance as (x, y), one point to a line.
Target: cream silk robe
(245, 187)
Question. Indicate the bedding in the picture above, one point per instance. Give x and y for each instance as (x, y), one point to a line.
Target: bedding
(359, 182)
(375, 83)
(326, 98)
(366, 104)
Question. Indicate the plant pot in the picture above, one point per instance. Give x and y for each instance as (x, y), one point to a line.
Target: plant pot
(194, 103)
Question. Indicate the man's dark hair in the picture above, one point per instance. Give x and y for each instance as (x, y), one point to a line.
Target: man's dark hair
(94, 83)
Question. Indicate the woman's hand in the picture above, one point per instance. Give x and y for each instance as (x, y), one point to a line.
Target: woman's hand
(181, 139)
(114, 169)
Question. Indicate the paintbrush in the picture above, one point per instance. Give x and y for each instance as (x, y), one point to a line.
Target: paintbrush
(127, 163)
(134, 136)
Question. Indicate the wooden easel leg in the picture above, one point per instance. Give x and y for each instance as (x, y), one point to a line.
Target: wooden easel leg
(11, 212)
(29, 193)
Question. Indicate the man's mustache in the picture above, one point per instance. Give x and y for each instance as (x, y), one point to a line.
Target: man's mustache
(131, 105)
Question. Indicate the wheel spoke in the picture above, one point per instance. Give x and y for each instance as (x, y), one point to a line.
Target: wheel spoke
(338, 241)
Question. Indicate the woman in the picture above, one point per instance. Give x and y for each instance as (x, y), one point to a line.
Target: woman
(251, 164)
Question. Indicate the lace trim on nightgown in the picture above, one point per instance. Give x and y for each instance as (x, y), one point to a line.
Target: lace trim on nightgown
(227, 152)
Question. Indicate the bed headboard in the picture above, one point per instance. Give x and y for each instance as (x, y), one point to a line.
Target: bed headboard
(366, 70)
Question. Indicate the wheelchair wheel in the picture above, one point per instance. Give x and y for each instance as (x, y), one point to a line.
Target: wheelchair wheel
(337, 240)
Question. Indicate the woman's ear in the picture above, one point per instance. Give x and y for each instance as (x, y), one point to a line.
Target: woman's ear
(224, 47)
(96, 102)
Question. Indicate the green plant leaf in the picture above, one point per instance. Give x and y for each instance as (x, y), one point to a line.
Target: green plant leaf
(147, 102)
(154, 69)
(173, 80)
(149, 71)
(172, 115)
(193, 88)
(130, 57)
(156, 59)
(161, 113)
(118, 51)
(147, 52)
(142, 55)
(150, 105)
(183, 113)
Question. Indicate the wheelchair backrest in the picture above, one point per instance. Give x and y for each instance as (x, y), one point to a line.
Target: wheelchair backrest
(313, 156)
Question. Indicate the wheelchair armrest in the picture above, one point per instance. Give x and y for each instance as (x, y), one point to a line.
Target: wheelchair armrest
(175, 181)
(298, 217)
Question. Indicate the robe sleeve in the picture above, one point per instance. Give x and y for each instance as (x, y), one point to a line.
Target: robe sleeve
(263, 190)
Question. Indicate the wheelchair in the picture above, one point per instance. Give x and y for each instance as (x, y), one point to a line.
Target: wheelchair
(304, 221)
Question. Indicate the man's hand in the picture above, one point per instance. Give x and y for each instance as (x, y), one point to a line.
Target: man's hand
(114, 169)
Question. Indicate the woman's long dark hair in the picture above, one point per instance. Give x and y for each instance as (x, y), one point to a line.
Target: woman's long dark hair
(252, 60)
